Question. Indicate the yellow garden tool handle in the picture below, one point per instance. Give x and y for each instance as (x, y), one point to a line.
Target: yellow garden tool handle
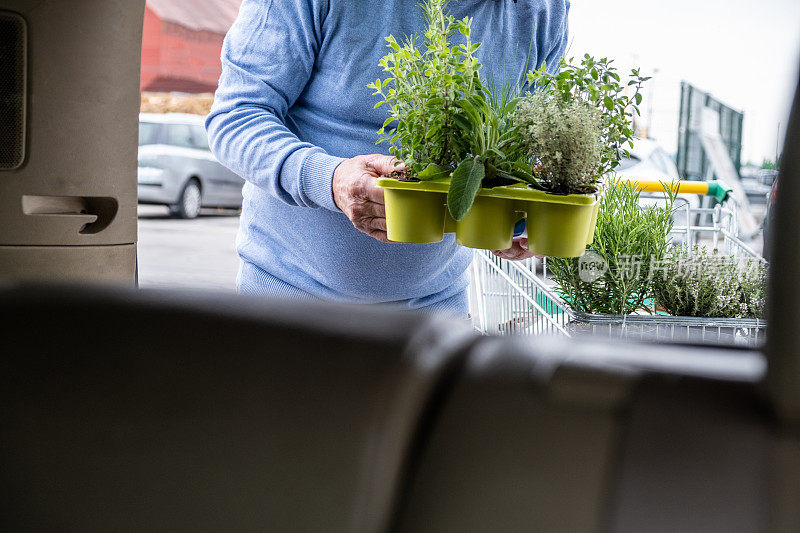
(716, 188)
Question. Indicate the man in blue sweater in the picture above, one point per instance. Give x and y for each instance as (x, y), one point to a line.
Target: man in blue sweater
(293, 117)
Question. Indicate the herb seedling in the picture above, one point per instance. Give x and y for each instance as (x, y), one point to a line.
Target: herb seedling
(567, 140)
(443, 120)
(492, 145)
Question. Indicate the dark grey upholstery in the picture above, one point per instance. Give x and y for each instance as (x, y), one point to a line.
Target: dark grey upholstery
(783, 342)
(557, 435)
(160, 411)
(519, 446)
(125, 411)
(695, 458)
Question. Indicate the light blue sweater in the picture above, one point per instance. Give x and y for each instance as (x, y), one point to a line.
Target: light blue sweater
(292, 103)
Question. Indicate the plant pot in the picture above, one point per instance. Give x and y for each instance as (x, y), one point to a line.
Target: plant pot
(414, 216)
(450, 224)
(559, 229)
(559, 226)
(593, 225)
(489, 224)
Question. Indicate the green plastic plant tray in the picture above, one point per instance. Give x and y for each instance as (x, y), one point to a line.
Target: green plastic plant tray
(558, 226)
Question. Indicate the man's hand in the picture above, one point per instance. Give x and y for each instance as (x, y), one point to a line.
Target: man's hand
(357, 194)
(517, 252)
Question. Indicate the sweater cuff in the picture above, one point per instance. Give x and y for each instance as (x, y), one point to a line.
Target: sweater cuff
(316, 179)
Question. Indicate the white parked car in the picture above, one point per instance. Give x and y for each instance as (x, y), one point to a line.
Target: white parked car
(177, 169)
(648, 161)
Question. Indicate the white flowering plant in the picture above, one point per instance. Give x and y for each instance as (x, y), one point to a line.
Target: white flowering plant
(697, 282)
(578, 124)
(564, 140)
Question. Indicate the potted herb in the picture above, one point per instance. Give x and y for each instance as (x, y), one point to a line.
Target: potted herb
(479, 198)
(481, 153)
(422, 90)
(454, 135)
(559, 140)
(574, 129)
(564, 163)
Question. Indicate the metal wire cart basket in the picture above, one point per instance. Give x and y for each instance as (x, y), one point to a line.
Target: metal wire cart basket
(520, 297)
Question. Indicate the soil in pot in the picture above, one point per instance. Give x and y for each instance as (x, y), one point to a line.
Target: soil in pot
(490, 183)
(402, 175)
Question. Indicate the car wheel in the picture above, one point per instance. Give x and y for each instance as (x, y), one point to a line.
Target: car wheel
(189, 204)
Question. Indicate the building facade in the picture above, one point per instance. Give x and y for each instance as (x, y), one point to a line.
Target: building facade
(181, 44)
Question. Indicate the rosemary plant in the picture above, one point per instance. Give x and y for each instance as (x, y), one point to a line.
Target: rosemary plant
(631, 240)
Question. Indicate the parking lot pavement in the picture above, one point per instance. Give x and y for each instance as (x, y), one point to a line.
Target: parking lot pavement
(187, 254)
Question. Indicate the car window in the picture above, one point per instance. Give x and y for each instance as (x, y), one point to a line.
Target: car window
(180, 135)
(656, 160)
(199, 138)
(669, 165)
(628, 162)
(148, 133)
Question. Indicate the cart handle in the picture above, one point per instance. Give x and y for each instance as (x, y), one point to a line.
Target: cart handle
(716, 188)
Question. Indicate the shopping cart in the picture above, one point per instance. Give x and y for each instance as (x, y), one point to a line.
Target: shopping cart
(520, 298)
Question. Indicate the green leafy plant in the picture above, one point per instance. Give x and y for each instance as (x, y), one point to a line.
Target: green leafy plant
(443, 120)
(769, 164)
(594, 83)
(422, 92)
(492, 147)
(698, 283)
(629, 239)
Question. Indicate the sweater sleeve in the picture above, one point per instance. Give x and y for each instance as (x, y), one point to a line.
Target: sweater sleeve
(267, 59)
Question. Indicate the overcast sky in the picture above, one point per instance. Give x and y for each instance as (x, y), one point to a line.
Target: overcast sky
(744, 52)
